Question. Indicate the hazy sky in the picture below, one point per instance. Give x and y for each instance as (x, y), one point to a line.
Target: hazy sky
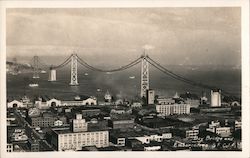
(170, 35)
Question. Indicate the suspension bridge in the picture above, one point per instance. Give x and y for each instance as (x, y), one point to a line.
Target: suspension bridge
(144, 59)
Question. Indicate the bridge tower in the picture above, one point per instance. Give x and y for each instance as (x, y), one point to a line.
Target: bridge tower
(144, 75)
(73, 81)
(35, 67)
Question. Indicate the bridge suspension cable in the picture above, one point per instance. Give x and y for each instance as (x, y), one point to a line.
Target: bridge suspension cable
(40, 62)
(178, 77)
(66, 61)
(127, 66)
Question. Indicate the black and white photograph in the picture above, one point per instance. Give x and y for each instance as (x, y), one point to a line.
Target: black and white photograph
(124, 79)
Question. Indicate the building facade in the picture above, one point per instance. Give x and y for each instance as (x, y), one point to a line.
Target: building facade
(45, 120)
(79, 136)
(170, 109)
(76, 140)
(192, 134)
(121, 124)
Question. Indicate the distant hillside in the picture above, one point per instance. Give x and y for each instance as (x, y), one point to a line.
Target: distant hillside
(17, 67)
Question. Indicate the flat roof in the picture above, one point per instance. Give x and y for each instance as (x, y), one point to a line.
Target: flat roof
(65, 131)
(133, 133)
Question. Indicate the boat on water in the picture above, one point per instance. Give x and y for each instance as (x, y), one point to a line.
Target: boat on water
(131, 77)
(86, 74)
(77, 97)
(43, 72)
(33, 85)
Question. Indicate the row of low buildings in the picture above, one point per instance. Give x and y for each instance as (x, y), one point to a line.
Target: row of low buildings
(46, 102)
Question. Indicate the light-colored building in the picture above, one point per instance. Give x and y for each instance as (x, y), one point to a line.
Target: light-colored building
(215, 127)
(215, 98)
(87, 101)
(152, 148)
(192, 134)
(79, 136)
(79, 124)
(45, 102)
(145, 139)
(170, 109)
(68, 140)
(16, 103)
(223, 131)
(150, 96)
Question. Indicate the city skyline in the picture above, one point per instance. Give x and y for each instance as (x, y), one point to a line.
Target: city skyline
(198, 36)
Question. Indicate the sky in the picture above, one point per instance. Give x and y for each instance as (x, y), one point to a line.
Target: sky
(188, 36)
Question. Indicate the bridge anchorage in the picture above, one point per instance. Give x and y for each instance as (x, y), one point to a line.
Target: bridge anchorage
(52, 74)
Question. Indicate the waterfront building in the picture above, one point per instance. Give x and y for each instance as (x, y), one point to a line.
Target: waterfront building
(15, 104)
(170, 109)
(46, 102)
(215, 98)
(85, 100)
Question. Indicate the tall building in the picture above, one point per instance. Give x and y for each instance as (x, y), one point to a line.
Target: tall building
(79, 124)
(150, 96)
(215, 98)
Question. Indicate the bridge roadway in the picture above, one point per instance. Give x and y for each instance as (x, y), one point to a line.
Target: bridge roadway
(34, 134)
